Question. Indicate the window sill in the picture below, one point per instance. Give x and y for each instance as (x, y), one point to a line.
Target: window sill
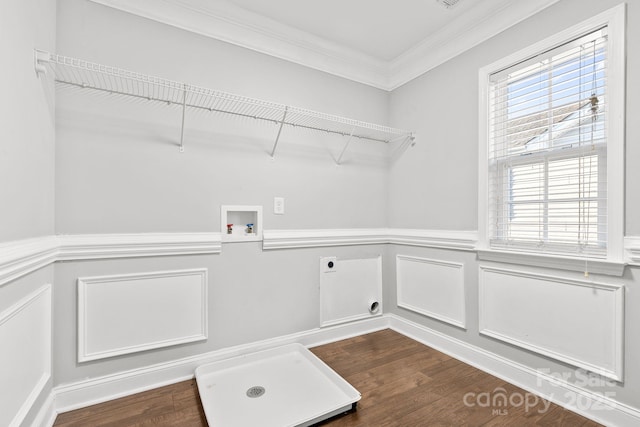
(595, 266)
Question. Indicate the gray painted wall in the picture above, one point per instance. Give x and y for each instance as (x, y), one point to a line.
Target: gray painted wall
(27, 137)
(26, 121)
(118, 170)
(118, 166)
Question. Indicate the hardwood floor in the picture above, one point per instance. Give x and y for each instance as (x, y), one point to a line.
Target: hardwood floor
(403, 384)
(173, 405)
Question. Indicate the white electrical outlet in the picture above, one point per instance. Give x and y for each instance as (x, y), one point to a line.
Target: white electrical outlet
(278, 205)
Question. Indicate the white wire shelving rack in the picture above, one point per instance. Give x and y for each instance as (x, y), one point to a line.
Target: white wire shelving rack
(88, 75)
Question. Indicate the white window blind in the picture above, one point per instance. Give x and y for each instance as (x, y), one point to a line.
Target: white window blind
(547, 154)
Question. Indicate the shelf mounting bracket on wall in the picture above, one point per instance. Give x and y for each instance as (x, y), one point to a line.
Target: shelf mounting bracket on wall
(40, 59)
(407, 141)
(344, 149)
(275, 144)
(184, 110)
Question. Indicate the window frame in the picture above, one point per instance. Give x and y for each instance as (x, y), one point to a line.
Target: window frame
(614, 20)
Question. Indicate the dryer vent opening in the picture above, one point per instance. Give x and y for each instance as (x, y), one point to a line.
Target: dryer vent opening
(374, 307)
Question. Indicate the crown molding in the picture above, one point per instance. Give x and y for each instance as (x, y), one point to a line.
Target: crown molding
(246, 29)
(460, 35)
(235, 25)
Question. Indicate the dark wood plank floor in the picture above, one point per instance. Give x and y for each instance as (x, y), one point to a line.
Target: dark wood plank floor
(403, 384)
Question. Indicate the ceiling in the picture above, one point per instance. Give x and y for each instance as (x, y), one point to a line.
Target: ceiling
(381, 43)
(383, 29)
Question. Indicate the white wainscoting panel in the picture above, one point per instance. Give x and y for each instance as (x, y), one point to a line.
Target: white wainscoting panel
(432, 287)
(577, 322)
(128, 313)
(25, 354)
(349, 289)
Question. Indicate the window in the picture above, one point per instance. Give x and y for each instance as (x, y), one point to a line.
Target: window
(551, 149)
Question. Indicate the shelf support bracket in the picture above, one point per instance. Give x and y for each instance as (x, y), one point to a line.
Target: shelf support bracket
(275, 144)
(40, 58)
(344, 149)
(184, 109)
(407, 141)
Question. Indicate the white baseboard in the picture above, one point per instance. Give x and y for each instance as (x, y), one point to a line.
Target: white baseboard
(604, 410)
(46, 416)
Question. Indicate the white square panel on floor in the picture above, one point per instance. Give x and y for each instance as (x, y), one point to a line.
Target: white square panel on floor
(283, 386)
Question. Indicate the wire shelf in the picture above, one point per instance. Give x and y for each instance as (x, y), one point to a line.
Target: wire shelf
(89, 75)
